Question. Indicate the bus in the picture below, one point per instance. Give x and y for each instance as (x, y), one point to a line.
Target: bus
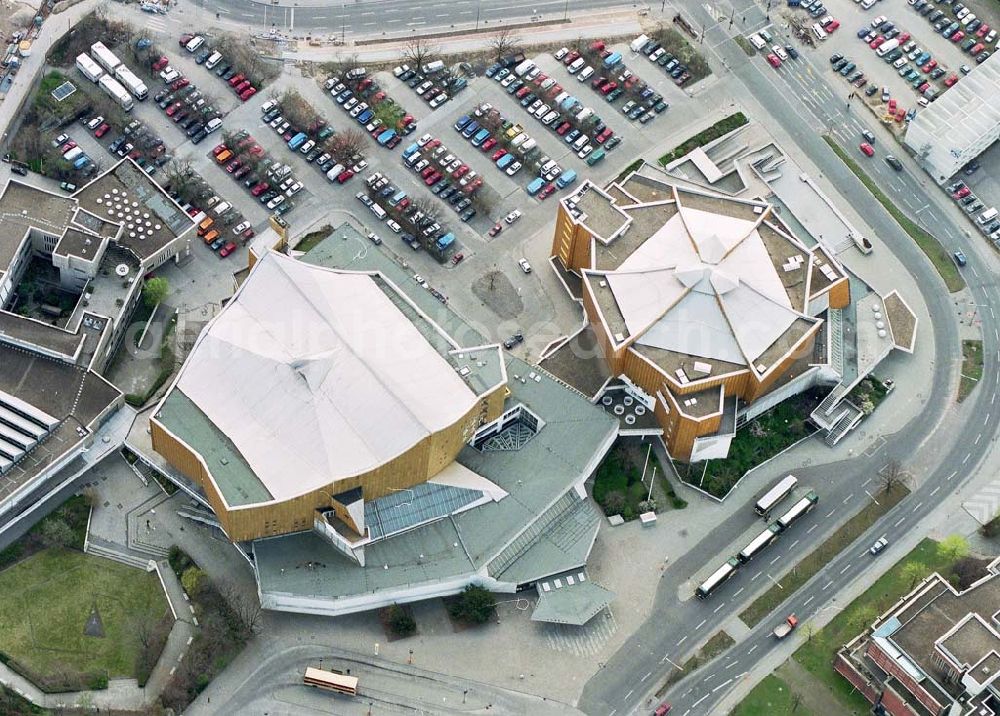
(331, 681)
(758, 543)
(718, 578)
(799, 509)
(131, 82)
(775, 495)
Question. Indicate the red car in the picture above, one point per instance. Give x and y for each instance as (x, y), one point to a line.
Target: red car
(554, 91)
(571, 58)
(229, 248)
(892, 106)
(900, 114)
(488, 144)
(498, 153)
(563, 128)
(522, 92)
(135, 154)
(951, 80)
(832, 26)
(219, 149)
(427, 172)
(923, 87)
(867, 149)
(434, 144)
(248, 93)
(377, 99)
(539, 78)
(260, 188)
(241, 86)
(604, 135)
(497, 228)
(662, 710)
(961, 193)
(461, 171)
(609, 87)
(473, 185)
(977, 48)
(161, 63)
(236, 79)
(433, 178)
(256, 150)
(344, 176)
(903, 38)
(457, 258)
(983, 29)
(596, 46)
(172, 109)
(772, 59)
(185, 39)
(598, 81)
(67, 146)
(958, 36)
(546, 192)
(874, 44)
(930, 66)
(102, 130)
(233, 165)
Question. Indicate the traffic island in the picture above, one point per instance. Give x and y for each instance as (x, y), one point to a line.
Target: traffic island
(972, 368)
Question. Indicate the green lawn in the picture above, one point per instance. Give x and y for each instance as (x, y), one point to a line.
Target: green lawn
(771, 697)
(817, 654)
(933, 249)
(972, 368)
(45, 602)
(818, 558)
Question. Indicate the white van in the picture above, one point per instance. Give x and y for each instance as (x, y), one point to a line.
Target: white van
(585, 113)
(581, 140)
(356, 73)
(73, 154)
(757, 41)
(585, 74)
(547, 167)
(377, 210)
(213, 59)
(519, 140)
(988, 215)
(332, 174)
(221, 208)
(638, 42)
(195, 42)
(213, 124)
(528, 146)
(818, 31)
(559, 98)
(523, 68)
(576, 66)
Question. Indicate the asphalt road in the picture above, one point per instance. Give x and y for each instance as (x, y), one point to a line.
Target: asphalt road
(369, 17)
(645, 659)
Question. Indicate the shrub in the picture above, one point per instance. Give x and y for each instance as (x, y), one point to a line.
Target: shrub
(475, 605)
(990, 529)
(191, 580)
(614, 503)
(400, 623)
(179, 560)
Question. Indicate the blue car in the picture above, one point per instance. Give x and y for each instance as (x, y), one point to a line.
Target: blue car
(342, 97)
(535, 186)
(365, 117)
(493, 69)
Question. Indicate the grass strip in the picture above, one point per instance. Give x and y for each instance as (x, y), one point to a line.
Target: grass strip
(721, 128)
(821, 556)
(771, 697)
(972, 368)
(931, 247)
(719, 642)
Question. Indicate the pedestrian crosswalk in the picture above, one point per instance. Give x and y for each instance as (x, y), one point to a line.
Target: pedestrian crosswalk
(156, 24)
(582, 641)
(985, 504)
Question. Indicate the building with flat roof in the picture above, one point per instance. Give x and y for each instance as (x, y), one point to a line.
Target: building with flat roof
(959, 125)
(365, 446)
(93, 246)
(708, 308)
(936, 651)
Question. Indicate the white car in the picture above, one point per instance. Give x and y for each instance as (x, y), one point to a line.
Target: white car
(514, 168)
(541, 111)
(438, 101)
(294, 189)
(169, 74)
(351, 103)
(424, 87)
(657, 54)
(273, 204)
(60, 140)
(397, 71)
(483, 109)
(561, 53)
(396, 228)
(508, 80)
(879, 20)
(360, 166)
(550, 118)
(525, 266)
(95, 122)
(513, 216)
(240, 228)
(585, 150)
(363, 198)
(421, 165)
(880, 544)
(424, 139)
(780, 52)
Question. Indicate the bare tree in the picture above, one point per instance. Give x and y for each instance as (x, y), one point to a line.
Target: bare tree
(296, 109)
(341, 65)
(418, 51)
(344, 145)
(491, 120)
(430, 208)
(893, 475)
(181, 179)
(246, 608)
(505, 42)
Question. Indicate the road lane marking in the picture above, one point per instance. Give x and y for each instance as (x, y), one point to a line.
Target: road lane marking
(775, 559)
(738, 593)
(934, 491)
(847, 498)
(917, 506)
(715, 611)
(701, 625)
(682, 641)
(806, 602)
(952, 474)
(978, 438)
(792, 545)
(987, 420)
(695, 704)
(863, 484)
(730, 665)
(809, 531)
(846, 568)
(628, 694)
(648, 674)
(899, 522)
(709, 678)
(755, 576)
(752, 649)
(970, 454)
(723, 685)
(830, 514)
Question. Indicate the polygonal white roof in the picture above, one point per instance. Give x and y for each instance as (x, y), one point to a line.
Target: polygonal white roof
(314, 375)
